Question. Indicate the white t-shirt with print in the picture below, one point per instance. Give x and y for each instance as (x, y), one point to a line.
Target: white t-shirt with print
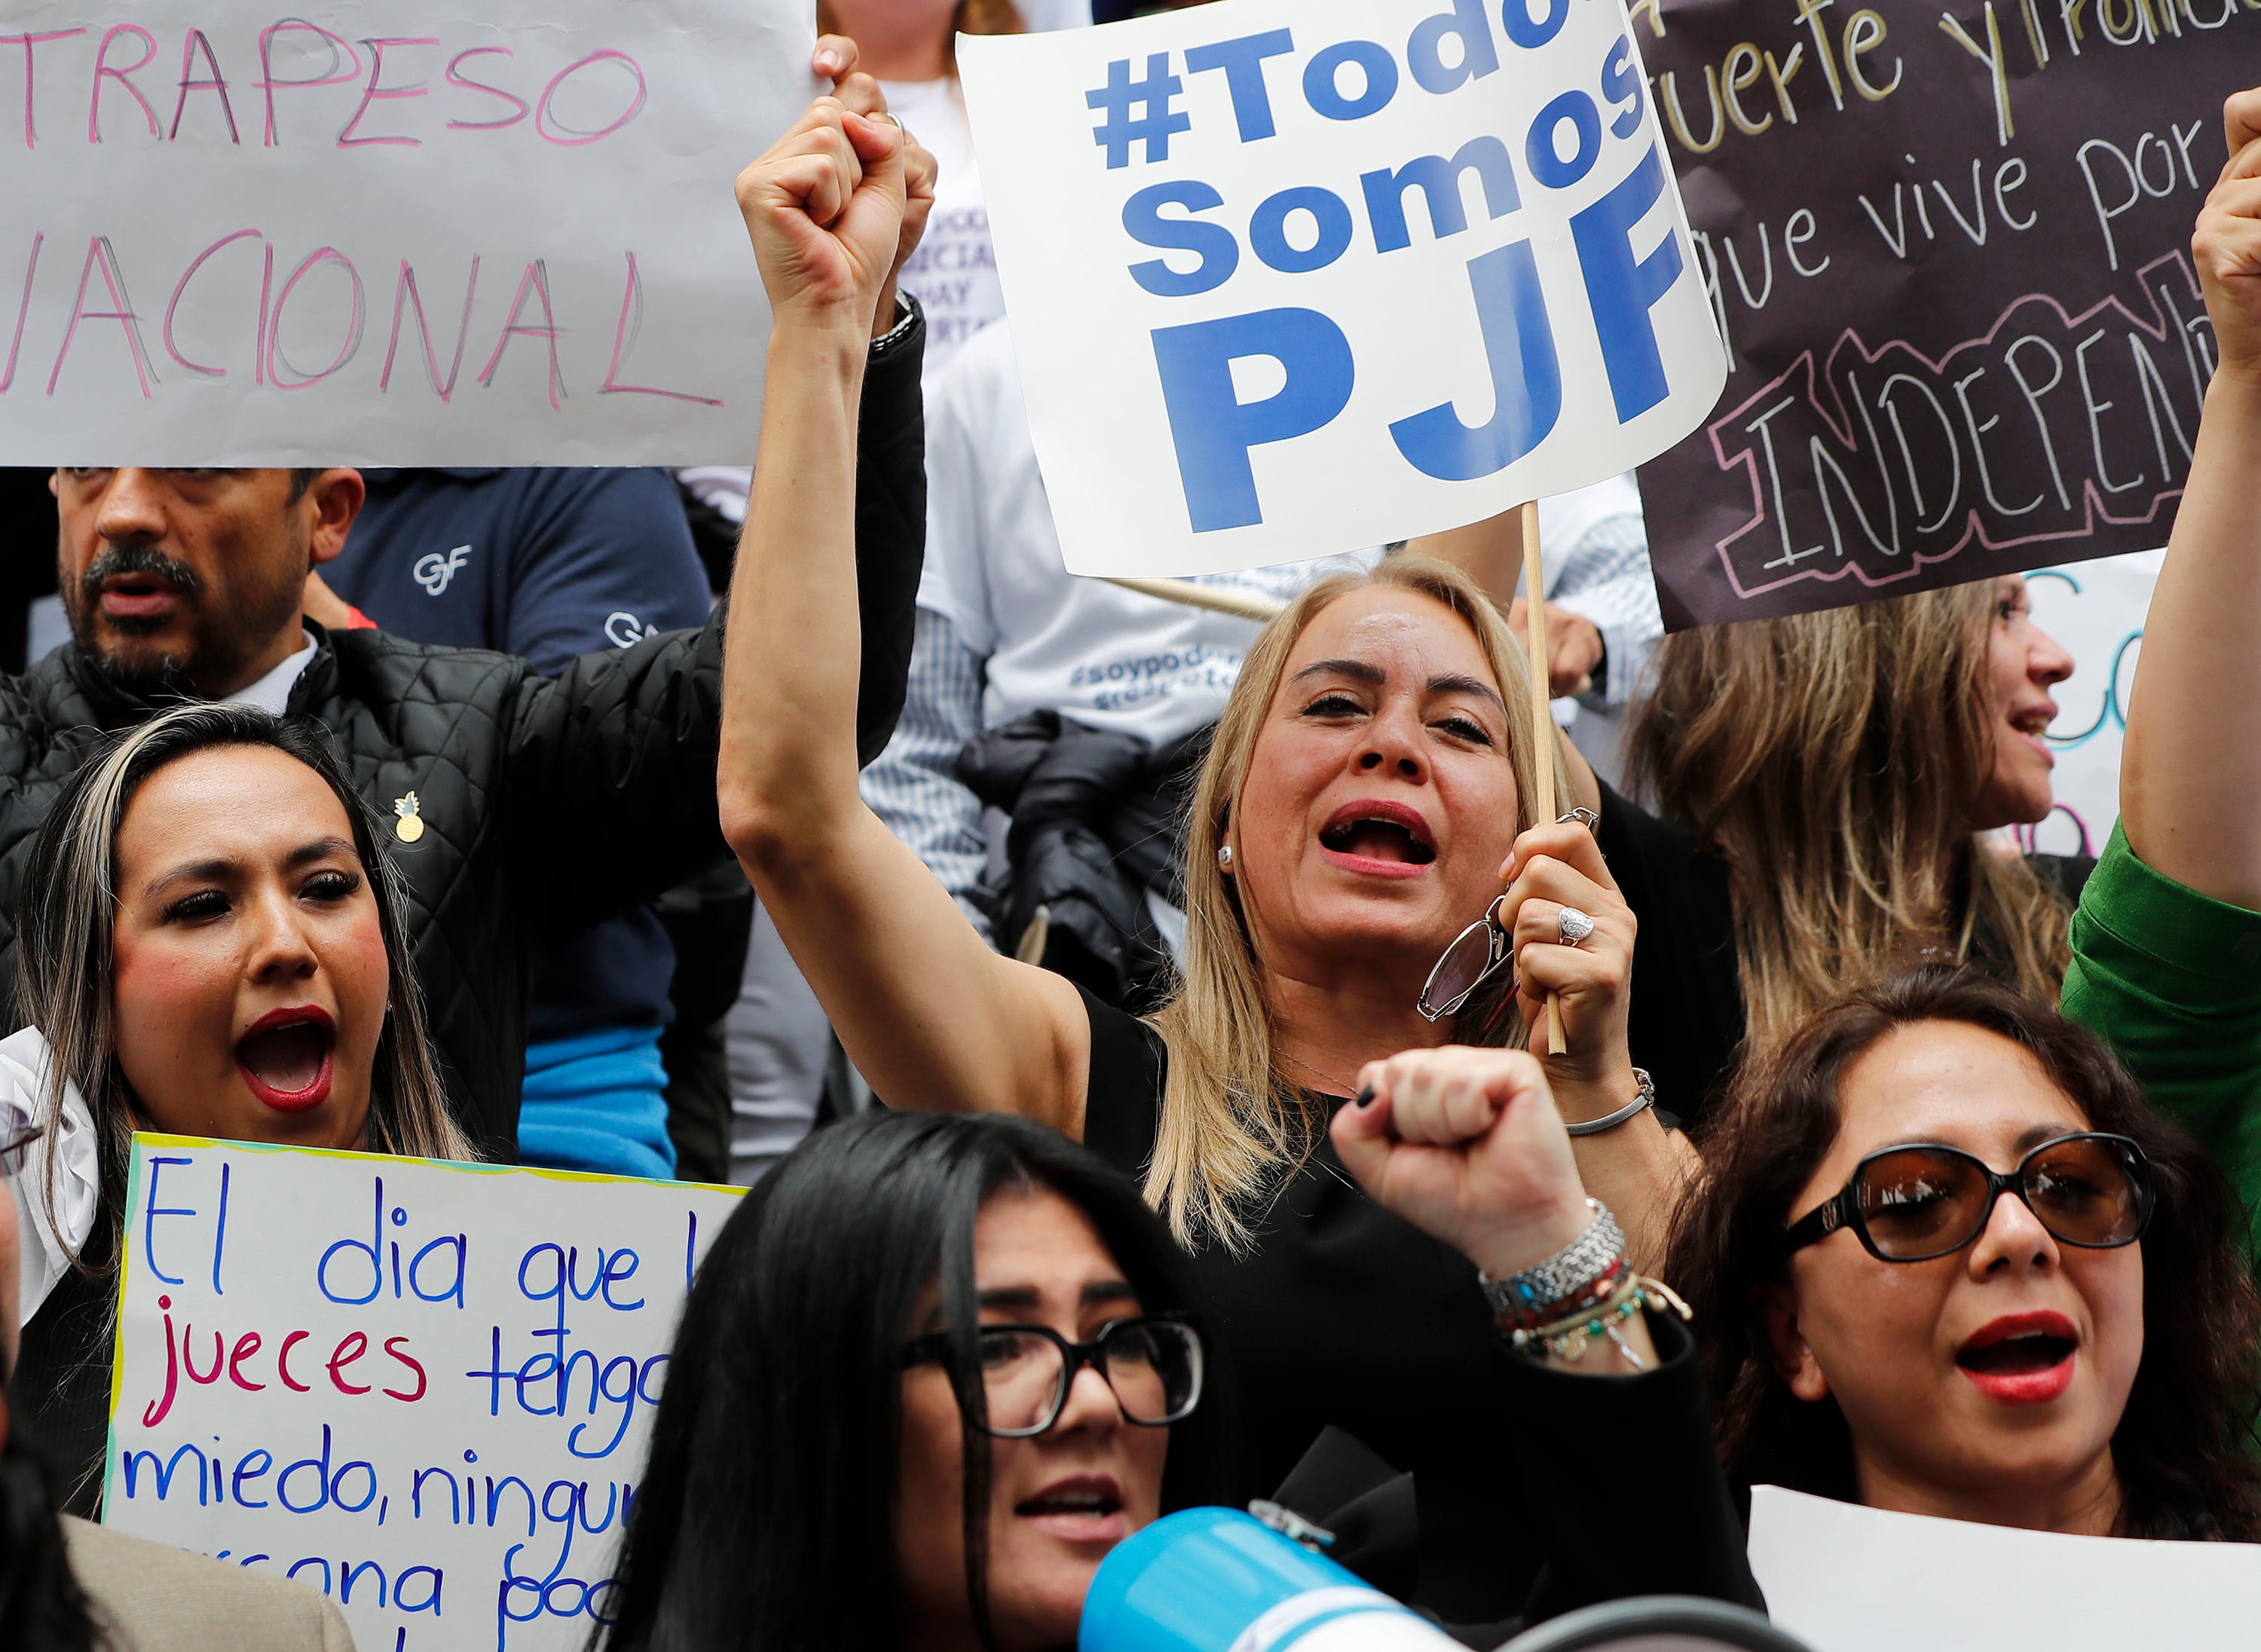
(953, 273)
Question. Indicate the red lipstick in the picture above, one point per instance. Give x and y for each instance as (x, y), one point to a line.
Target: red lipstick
(2021, 1359)
(285, 1058)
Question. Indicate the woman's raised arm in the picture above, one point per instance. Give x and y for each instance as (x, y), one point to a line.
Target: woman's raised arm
(2190, 777)
(929, 1014)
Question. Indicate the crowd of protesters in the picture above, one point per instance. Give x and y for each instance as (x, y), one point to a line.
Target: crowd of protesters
(1158, 991)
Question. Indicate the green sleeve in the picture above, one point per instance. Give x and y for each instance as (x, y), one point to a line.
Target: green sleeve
(2171, 979)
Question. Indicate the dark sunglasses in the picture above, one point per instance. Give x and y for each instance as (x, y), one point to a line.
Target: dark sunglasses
(1911, 1204)
(1152, 1363)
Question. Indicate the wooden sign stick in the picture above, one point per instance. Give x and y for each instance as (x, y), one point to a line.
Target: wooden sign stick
(1240, 605)
(1543, 806)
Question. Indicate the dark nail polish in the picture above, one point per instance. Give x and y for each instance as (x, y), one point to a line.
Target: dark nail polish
(1365, 1097)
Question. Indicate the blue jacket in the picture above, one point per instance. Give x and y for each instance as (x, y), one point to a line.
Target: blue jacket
(549, 564)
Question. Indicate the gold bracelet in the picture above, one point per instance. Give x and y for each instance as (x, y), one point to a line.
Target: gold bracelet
(1568, 1339)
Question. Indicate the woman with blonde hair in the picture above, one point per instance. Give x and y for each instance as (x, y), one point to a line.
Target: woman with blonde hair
(1367, 858)
(1824, 779)
(210, 943)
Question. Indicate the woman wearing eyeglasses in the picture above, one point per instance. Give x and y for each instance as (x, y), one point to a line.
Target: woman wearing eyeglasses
(935, 1369)
(1946, 1260)
(1369, 796)
(932, 1371)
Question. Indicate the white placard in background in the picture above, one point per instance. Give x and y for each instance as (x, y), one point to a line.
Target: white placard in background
(1291, 277)
(412, 236)
(2097, 610)
(1844, 1579)
(423, 1389)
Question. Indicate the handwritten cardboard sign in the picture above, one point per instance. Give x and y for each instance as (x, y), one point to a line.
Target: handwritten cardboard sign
(424, 1389)
(1291, 277)
(1949, 249)
(1844, 1579)
(332, 236)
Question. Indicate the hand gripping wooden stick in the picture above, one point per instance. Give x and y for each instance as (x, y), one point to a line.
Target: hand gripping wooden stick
(1543, 805)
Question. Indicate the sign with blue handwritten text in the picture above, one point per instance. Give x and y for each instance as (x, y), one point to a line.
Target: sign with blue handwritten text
(1290, 278)
(419, 235)
(1949, 249)
(423, 1389)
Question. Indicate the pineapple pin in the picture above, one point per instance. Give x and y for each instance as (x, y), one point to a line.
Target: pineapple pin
(410, 826)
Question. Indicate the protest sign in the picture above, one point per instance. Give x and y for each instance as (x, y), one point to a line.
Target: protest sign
(2097, 610)
(424, 1389)
(1844, 1579)
(1292, 278)
(431, 237)
(1949, 249)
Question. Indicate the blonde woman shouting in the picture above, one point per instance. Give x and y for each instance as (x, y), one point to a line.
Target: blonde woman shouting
(1370, 878)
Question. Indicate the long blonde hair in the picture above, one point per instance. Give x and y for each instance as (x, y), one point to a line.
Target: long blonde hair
(66, 920)
(1232, 1123)
(1833, 761)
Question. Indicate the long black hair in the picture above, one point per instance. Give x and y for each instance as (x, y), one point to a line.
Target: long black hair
(767, 1518)
(42, 1608)
(2182, 1447)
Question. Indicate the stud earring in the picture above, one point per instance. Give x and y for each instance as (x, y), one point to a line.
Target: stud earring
(1224, 859)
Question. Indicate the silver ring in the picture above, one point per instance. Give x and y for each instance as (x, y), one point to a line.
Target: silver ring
(1573, 926)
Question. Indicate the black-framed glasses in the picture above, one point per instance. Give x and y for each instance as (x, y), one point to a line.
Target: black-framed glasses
(1910, 1204)
(1152, 1363)
(1473, 959)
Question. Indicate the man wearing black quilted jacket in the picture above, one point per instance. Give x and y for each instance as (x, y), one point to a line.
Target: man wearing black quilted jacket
(522, 807)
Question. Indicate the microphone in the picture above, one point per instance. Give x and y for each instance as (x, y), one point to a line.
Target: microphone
(1216, 1580)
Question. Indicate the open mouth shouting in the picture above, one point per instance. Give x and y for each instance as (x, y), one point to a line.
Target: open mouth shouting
(285, 1058)
(2021, 1359)
(1083, 1508)
(1382, 840)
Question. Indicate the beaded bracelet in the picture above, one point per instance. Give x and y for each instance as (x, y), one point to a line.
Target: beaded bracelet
(1568, 1339)
(1581, 1273)
(1587, 1298)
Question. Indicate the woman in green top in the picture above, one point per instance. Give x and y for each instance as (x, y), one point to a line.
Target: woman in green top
(2166, 943)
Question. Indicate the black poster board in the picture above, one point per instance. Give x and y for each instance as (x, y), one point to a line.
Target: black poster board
(1951, 253)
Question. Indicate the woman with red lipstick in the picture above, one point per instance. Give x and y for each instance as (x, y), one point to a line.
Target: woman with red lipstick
(1822, 780)
(210, 944)
(1946, 1260)
(1368, 807)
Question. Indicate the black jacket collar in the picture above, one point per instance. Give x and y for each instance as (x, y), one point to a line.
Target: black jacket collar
(111, 706)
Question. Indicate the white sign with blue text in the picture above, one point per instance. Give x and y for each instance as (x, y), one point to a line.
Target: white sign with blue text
(1290, 278)
(423, 1389)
